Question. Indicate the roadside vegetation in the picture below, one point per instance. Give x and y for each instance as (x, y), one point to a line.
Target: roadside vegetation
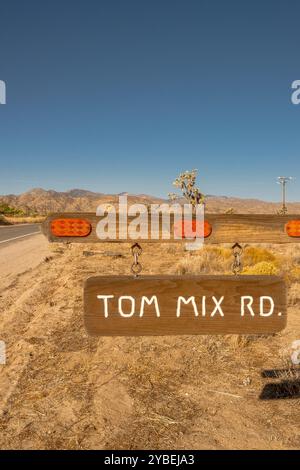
(183, 392)
(256, 260)
(36, 219)
(12, 215)
(5, 209)
(4, 221)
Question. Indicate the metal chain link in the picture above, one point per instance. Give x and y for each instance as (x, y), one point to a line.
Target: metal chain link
(136, 266)
(237, 251)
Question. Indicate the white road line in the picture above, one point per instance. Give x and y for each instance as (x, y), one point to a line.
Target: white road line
(21, 236)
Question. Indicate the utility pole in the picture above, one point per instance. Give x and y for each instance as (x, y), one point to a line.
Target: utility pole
(283, 180)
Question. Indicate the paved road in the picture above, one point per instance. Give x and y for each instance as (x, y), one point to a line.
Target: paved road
(12, 233)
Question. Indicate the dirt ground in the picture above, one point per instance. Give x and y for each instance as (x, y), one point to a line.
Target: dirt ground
(61, 389)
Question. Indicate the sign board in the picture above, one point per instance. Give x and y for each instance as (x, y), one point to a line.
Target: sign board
(172, 305)
(219, 228)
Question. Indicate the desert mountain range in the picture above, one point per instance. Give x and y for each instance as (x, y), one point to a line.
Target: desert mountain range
(44, 201)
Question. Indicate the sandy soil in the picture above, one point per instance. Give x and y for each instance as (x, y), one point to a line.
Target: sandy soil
(61, 389)
(21, 256)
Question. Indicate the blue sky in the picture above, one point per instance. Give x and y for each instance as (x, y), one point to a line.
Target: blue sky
(123, 95)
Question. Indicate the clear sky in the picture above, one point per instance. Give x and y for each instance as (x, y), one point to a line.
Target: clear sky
(122, 95)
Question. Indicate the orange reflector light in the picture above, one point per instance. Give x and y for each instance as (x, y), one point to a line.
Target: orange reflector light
(192, 229)
(293, 228)
(70, 227)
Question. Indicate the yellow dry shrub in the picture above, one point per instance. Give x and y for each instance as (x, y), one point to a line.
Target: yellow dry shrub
(263, 267)
(253, 255)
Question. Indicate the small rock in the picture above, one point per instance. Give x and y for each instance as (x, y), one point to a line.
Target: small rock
(246, 381)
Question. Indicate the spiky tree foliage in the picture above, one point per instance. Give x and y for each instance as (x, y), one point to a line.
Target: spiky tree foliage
(186, 182)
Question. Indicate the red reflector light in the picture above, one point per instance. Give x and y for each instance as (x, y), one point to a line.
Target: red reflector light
(70, 228)
(292, 228)
(192, 229)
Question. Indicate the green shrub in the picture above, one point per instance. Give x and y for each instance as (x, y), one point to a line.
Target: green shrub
(5, 209)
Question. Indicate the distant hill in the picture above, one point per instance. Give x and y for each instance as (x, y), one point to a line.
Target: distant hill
(220, 204)
(43, 201)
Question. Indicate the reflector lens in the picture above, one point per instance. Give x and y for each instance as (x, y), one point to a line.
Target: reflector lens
(70, 228)
(192, 229)
(293, 228)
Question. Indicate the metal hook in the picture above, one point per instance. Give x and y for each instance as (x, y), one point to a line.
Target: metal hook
(136, 266)
(237, 251)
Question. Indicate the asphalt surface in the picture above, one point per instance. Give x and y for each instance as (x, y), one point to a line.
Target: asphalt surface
(13, 233)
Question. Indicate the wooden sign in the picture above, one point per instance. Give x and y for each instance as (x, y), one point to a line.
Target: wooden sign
(172, 305)
(218, 228)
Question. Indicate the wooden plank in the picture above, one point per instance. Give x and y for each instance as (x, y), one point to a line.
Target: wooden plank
(250, 228)
(167, 314)
(226, 228)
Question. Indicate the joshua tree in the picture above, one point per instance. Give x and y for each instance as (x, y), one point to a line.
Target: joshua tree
(187, 183)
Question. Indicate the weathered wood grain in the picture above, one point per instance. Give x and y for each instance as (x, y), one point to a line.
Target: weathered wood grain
(167, 289)
(231, 228)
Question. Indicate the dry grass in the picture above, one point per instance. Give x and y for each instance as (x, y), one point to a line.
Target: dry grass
(268, 260)
(4, 220)
(256, 260)
(262, 268)
(26, 220)
(70, 391)
(253, 255)
(208, 260)
(294, 294)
